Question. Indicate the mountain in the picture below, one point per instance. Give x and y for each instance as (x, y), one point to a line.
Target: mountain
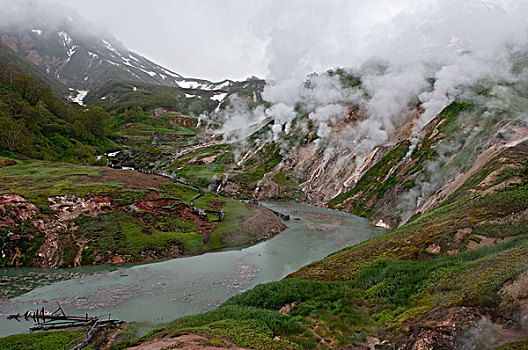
(83, 62)
(77, 54)
(9, 56)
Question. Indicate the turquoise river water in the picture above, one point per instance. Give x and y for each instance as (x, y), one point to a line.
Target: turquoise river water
(160, 292)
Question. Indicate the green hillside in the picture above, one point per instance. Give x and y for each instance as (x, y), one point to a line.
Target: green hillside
(36, 123)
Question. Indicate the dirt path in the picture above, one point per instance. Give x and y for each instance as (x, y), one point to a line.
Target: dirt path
(186, 342)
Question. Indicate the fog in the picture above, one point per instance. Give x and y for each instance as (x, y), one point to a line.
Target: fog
(284, 39)
(406, 53)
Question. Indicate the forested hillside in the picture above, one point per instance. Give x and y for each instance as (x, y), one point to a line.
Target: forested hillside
(36, 123)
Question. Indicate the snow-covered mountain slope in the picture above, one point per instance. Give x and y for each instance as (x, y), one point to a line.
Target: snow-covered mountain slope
(81, 56)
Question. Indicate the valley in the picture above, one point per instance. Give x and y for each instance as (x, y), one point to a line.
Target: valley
(380, 204)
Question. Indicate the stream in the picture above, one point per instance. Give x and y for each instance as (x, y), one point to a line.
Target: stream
(163, 291)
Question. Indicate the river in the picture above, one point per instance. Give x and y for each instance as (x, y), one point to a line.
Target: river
(163, 291)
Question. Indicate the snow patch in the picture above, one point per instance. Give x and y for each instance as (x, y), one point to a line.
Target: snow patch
(187, 84)
(36, 31)
(113, 154)
(70, 52)
(66, 39)
(171, 74)
(127, 61)
(382, 224)
(103, 98)
(189, 95)
(113, 63)
(135, 88)
(81, 94)
(145, 71)
(132, 57)
(110, 47)
(219, 97)
(223, 85)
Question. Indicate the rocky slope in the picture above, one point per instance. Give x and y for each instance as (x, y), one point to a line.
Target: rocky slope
(450, 273)
(84, 59)
(442, 164)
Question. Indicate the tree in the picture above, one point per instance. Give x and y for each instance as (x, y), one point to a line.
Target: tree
(14, 134)
(95, 119)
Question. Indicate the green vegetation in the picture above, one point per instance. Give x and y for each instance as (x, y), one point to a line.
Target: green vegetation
(204, 166)
(385, 294)
(347, 79)
(373, 185)
(411, 240)
(37, 124)
(390, 174)
(37, 180)
(284, 180)
(9, 57)
(118, 96)
(517, 345)
(396, 283)
(57, 340)
(259, 164)
(162, 230)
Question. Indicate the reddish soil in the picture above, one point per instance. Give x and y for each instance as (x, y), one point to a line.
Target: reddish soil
(15, 210)
(181, 211)
(133, 180)
(186, 342)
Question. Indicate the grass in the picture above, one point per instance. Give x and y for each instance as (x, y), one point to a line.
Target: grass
(246, 326)
(409, 241)
(385, 294)
(38, 180)
(132, 234)
(56, 340)
(516, 345)
(390, 285)
(259, 164)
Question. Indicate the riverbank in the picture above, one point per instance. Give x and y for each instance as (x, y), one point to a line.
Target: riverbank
(158, 292)
(63, 215)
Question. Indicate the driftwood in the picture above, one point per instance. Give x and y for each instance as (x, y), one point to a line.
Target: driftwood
(58, 319)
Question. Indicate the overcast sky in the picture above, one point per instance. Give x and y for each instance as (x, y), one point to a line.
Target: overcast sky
(275, 39)
(208, 39)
